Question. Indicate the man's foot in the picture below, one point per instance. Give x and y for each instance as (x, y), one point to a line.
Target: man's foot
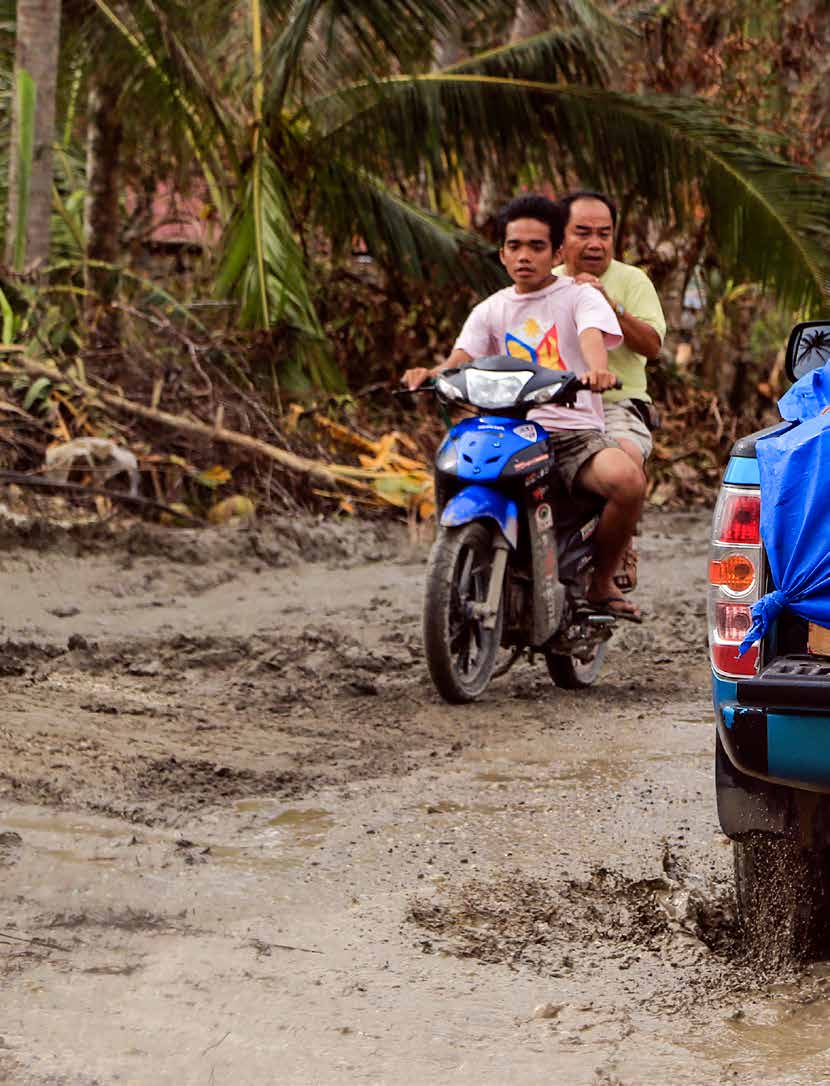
(626, 577)
(616, 606)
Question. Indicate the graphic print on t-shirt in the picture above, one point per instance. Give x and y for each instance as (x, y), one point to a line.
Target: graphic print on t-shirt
(546, 349)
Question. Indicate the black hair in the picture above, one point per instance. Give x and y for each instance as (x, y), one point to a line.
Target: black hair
(585, 194)
(533, 206)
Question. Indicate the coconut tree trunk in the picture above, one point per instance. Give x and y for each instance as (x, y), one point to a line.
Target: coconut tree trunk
(36, 54)
(101, 208)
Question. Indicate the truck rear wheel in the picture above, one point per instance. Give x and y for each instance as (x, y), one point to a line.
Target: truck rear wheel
(783, 896)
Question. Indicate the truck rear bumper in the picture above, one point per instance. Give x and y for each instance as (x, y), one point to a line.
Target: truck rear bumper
(781, 747)
(776, 726)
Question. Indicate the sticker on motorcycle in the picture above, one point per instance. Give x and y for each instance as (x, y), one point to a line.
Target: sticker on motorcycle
(519, 464)
(528, 432)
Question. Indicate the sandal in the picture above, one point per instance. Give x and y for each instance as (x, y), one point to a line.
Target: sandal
(623, 608)
(626, 578)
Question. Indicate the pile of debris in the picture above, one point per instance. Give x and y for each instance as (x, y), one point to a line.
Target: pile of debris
(67, 432)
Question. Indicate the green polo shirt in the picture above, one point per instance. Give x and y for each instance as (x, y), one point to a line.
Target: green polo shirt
(633, 289)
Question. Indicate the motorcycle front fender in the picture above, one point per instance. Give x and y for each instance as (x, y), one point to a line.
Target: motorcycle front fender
(477, 502)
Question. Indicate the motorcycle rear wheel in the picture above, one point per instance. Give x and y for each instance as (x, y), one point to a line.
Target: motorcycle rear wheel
(569, 673)
(460, 652)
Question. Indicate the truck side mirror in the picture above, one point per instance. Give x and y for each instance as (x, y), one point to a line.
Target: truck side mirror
(808, 348)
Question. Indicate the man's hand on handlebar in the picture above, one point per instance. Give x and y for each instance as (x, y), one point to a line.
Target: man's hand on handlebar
(600, 380)
(413, 379)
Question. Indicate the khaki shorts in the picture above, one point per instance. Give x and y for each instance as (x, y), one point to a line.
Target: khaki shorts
(572, 449)
(622, 420)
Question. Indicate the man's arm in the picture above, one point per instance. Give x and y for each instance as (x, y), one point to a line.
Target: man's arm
(592, 344)
(638, 335)
(414, 378)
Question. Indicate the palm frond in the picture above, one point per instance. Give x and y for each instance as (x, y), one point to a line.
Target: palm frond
(567, 54)
(171, 41)
(154, 65)
(378, 36)
(286, 277)
(398, 233)
(770, 220)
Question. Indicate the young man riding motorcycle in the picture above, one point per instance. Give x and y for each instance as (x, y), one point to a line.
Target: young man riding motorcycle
(563, 325)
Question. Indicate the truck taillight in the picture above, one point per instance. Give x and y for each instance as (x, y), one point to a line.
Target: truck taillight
(735, 579)
(732, 621)
(735, 573)
(740, 518)
(725, 659)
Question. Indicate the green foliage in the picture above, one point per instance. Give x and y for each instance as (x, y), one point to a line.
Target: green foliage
(315, 122)
(8, 325)
(26, 97)
(37, 393)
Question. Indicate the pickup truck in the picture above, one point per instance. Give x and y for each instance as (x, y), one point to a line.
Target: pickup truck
(772, 714)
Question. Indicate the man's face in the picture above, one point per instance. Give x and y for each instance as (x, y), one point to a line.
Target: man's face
(589, 238)
(527, 254)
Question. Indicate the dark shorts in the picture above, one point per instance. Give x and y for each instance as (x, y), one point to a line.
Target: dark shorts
(572, 449)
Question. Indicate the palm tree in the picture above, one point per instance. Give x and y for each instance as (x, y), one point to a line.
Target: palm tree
(312, 121)
(29, 206)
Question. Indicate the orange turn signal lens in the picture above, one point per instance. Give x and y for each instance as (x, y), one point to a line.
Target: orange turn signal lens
(735, 573)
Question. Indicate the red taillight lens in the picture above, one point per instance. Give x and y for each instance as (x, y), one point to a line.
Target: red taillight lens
(733, 621)
(741, 521)
(726, 660)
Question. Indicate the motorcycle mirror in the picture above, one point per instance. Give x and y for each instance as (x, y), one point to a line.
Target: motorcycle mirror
(808, 348)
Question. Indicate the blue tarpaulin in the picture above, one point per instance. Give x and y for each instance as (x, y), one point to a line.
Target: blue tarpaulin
(808, 396)
(795, 507)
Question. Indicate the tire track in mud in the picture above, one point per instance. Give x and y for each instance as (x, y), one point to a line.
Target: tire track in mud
(187, 720)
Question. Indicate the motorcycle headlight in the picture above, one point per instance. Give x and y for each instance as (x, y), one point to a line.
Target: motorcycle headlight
(488, 389)
(542, 395)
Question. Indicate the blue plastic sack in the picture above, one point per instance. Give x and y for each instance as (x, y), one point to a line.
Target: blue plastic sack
(795, 510)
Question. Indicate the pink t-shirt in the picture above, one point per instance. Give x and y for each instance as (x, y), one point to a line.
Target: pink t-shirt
(544, 327)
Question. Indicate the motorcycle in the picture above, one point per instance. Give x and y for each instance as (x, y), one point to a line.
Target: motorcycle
(512, 558)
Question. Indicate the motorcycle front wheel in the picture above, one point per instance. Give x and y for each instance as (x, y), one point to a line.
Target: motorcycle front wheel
(460, 651)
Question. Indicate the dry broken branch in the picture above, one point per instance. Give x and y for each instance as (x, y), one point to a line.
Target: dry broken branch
(313, 469)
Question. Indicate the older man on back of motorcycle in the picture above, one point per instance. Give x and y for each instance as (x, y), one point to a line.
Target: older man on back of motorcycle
(588, 257)
(558, 323)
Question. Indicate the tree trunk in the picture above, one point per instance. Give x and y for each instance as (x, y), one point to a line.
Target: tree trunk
(36, 52)
(101, 209)
(527, 22)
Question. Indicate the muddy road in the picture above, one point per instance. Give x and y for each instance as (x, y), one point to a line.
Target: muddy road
(243, 842)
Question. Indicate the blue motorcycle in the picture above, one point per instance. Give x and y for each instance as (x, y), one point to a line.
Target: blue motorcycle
(513, 555)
